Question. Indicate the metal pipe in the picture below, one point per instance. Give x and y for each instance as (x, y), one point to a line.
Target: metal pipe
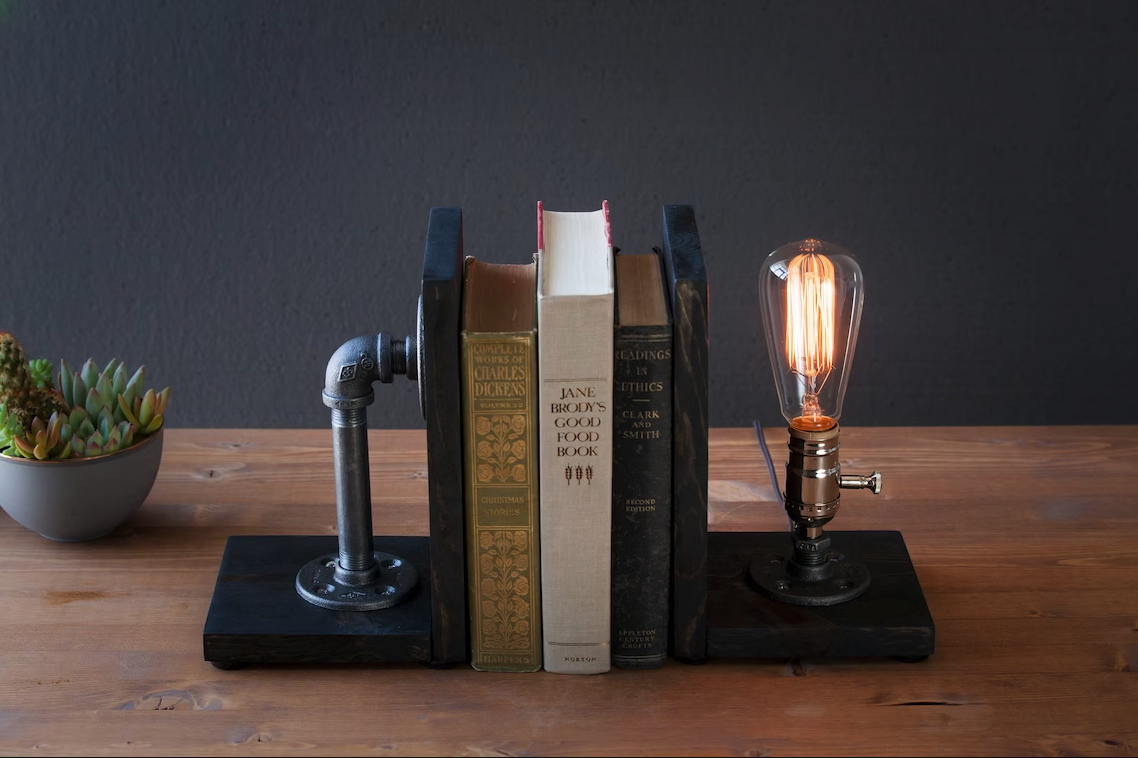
(347, 391)
(358, 578)
(353, 490)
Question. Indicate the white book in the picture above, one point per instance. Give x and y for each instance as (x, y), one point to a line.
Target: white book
(574, 343)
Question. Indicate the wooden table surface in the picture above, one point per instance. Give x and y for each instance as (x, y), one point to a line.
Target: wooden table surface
(1025, 541)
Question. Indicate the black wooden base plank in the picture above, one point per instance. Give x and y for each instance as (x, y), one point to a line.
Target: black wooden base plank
(257, 617)
(890, 619)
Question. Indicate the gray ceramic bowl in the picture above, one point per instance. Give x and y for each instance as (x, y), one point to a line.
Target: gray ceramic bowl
(80, 498)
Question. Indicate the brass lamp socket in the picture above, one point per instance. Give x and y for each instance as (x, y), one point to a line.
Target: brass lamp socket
(813, 573)
(812, 472)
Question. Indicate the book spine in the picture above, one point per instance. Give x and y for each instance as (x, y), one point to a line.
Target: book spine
(686, 281)
(641, 495)
(502, 536)
(575, 361)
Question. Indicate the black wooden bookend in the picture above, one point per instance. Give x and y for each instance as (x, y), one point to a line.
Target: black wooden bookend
(295, 599)
(890, 619)
(718, 609)
(687, 286)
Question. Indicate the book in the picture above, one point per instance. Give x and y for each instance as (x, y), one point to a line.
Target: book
(642, 464)
(575, 303)
(686, 282)
(499, 419)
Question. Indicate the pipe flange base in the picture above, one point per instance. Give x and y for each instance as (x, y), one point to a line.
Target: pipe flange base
(395, 579)
(775, 578)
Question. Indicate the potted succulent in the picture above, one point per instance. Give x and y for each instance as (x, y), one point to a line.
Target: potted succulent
(78, 458)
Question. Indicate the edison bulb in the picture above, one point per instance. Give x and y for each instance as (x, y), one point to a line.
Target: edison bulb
(810, 293)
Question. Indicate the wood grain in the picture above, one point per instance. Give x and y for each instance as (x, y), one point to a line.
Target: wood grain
(1025, 541)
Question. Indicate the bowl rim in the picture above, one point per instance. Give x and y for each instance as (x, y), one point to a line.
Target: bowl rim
(79, 461)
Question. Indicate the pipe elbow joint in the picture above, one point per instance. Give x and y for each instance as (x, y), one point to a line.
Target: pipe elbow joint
(353, 368)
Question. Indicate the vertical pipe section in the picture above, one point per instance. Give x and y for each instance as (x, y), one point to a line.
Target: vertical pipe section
(353, 489)
(358, 578)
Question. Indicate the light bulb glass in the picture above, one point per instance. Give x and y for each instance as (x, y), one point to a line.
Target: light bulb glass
(810, 294)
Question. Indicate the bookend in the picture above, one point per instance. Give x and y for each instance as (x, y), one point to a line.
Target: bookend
(356, 598)
(719, 609)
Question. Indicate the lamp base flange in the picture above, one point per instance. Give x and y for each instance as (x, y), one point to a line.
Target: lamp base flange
(258, 617)
(392, 581)
(844, 580)
(889, 619)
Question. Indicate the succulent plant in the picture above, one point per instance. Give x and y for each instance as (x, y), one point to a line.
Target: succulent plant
(52, 439)
(92, 412)
(10, 427)
(112, 391)
(41, 370)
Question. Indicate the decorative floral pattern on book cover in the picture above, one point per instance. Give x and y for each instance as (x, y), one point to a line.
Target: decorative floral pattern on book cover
(503, 567)
(501, 451)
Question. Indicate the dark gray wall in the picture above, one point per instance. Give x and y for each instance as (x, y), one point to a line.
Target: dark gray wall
(229, 190)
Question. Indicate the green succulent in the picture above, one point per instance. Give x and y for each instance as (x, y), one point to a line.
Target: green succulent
(42, 441)
(10, 427)
(99, 434)
(91, 413)
(41, 370)
(112, 390)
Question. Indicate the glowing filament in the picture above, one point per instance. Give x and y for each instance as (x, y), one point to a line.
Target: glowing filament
(810, 323)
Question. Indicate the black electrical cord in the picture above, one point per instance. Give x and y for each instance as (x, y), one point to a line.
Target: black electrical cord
(770, 470)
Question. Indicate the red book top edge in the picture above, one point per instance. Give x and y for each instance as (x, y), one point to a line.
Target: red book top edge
(540, 231)
(608, 224)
